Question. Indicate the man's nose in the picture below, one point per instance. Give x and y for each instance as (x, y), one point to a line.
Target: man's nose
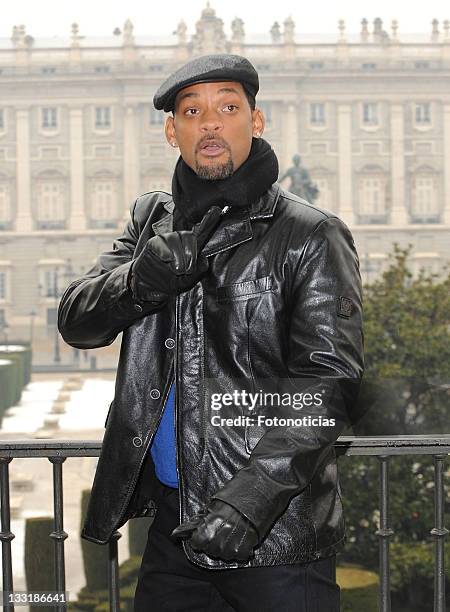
(211, 120)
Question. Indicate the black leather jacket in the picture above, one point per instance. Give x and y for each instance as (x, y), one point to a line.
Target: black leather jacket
(281, 301)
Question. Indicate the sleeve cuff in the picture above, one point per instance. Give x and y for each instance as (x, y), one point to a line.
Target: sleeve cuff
(251, 501)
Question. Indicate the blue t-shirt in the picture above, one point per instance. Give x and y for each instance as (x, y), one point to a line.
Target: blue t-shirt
(163, 447)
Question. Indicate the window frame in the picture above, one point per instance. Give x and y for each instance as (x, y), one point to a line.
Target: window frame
(49, 130)
(319, 127)
(105, 129)
(369, 126)
(4, 122)
(422, 126)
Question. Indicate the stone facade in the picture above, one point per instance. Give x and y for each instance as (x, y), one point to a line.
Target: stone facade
(368, 112)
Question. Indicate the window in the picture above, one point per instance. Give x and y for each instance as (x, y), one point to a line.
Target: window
(2, 119)
(48, 70)
(317, 113)
(424, 201)
(50, 280)
(266, 108)
(49, 118)
(372, 196)
(368, 66)
(423, 113)
(103, 187)
(50, 208)
(370, 113)
(156, 117)
(102, 117)
(102, 69)
(421, 65)
(103, 200)
(315, 65)
(5, 203)
(2, 285)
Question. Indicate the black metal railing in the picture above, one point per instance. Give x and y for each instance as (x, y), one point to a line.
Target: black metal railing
(383, 448)
(56, 451)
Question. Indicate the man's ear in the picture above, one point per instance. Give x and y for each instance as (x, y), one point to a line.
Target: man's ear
(258, 122)
(169, 129)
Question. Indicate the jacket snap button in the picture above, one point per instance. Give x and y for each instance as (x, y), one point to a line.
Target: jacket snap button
(137, 441)
(170, 343)
(154, 394)
(138, 307)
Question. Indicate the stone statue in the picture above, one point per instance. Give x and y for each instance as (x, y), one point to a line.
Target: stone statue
(379, 35)
(128, 38)
(75, 35)
(181, 32)
(209, 36)
(275, 32)
(289, 31)
(237, 29)
(301, 183)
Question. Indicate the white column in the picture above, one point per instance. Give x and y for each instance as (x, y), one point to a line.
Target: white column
(131, 169)
(290, 135)
(446, 212)
(24, 222)
(398, 213)
(345, 192)
(77, 219)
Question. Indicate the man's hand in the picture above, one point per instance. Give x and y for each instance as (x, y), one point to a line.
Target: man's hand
(221, 532)
(171, 263)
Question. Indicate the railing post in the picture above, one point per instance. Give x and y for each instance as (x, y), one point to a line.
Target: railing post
(6, 535)
(58, 535)
(113, 573)
(384, 533)
(439, 532)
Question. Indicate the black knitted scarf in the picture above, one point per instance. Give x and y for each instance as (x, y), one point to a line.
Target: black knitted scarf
(193, 196)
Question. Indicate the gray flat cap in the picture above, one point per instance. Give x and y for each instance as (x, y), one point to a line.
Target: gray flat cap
(208, 68)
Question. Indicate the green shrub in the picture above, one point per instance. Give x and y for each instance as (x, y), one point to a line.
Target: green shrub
(39, 557)
(98, 600)
(129, 571)
(95, 556)
(356, 600)
(412, 572)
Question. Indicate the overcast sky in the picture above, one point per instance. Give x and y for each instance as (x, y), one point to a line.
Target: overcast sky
(100, 17)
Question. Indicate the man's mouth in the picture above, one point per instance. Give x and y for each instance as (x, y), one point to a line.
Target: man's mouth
(211, 149)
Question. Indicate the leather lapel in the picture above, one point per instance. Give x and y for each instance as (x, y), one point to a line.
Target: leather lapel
(232, 230)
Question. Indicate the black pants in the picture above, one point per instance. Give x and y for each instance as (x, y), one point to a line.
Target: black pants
(169, 582)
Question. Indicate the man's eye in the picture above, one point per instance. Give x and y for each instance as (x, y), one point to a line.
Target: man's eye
(189, 109)
(233, 105)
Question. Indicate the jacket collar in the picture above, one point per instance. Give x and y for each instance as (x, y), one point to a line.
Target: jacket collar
(233, 229)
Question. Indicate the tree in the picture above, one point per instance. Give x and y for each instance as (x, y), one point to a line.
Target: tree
(405, 391)
(407, 351)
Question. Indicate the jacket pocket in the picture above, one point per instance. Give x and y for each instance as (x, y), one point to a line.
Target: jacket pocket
(245, 289)
(109, 411)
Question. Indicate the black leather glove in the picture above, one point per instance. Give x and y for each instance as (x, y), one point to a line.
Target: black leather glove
(171, 263)
(221, 532)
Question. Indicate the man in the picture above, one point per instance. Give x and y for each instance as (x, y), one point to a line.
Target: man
(229, 290)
